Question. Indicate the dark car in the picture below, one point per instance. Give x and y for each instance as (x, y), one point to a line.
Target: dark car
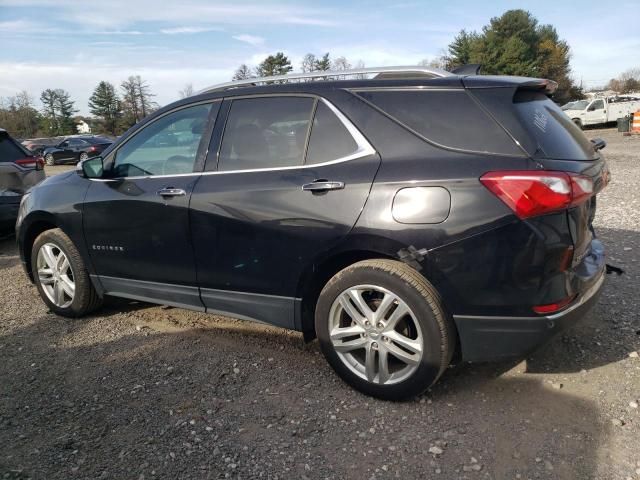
(75, 149)
(19, 171)
(37, 145)
(400, 220)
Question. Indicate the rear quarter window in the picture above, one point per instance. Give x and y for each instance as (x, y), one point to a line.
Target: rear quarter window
(554, 133)
(10, 151)
(447, 118)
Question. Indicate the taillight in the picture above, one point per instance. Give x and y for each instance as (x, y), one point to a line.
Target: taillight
(532, 193)
(29, 162)
(554, 307)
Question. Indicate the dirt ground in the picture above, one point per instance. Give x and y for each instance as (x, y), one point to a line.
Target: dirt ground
(144, 392)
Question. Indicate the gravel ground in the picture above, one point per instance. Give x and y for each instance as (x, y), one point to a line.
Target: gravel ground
(145, 392)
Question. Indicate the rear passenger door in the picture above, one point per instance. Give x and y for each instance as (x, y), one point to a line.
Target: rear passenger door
(288, 181)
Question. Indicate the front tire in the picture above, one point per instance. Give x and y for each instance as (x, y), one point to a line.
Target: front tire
(578, 122)
(61, 276)
(383, 328)
(49, 160)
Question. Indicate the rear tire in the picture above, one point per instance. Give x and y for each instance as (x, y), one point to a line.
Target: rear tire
(61, 276)
(393, 353)
(83, 157)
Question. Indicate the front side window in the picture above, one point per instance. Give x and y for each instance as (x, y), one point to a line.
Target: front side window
(167, 146)
(597, 105)
(265, 132)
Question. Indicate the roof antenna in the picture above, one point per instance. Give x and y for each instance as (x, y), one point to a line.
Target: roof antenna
(468, 69)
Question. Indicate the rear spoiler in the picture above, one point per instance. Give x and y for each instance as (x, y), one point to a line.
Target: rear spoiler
(548, 86)
(521, 83)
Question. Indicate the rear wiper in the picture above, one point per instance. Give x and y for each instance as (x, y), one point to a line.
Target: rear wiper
(598, 143)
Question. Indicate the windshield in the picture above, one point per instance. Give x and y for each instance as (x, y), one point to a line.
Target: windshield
(568, 106)
(580, 105)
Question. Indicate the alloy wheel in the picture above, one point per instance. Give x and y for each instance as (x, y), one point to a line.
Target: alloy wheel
(375, 334)
(83, 156)
(55, 275)
(49, 159)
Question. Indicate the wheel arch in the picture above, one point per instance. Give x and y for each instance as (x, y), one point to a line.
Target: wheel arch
(32, 227)
(320, 273)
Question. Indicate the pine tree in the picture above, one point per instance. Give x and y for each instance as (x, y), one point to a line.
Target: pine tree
(461, 49)
(277, 64)
(515, 44)
(323, 64)
(49, 112)
(65, 108)
(104, 103)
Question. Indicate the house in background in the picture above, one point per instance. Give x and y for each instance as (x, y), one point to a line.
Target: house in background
(83, 127)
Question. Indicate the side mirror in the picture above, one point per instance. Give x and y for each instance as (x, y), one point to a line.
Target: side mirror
(91, 168)
(598, 143)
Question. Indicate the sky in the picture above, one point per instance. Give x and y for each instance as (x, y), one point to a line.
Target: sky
(73, 44)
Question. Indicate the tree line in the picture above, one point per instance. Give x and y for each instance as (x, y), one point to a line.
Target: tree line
(626, 82)
(512, 44)
(114, 110)
(279, 64)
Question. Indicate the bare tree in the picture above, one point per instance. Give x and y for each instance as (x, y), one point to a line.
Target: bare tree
(308, 63)
(187, 91)
(341, 63)
(242, 73)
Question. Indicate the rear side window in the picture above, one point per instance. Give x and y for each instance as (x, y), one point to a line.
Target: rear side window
(329, 140)
(555, 135)
(265, 132)
(450, 119)
(9, 150)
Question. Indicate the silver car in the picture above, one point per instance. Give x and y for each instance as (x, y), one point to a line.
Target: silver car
(19, 171)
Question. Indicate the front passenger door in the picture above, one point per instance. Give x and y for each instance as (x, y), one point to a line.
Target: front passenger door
(136, 220)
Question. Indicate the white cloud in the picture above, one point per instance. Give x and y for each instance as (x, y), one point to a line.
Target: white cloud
(118, 14)
(180, 30)
(250, 39)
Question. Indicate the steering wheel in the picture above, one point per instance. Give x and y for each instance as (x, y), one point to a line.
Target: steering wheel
(177, 164)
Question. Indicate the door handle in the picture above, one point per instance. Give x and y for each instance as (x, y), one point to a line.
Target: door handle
(322, 186)
(171, 192)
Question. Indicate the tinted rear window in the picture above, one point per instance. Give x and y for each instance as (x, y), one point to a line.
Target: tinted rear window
(9, 150)
(449, 118)
(555, 135)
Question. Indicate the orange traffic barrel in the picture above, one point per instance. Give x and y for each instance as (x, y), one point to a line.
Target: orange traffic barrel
(635, 126)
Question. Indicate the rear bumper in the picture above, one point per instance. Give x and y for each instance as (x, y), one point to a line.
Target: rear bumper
(484, 338)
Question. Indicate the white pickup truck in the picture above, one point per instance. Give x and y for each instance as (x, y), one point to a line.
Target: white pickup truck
(601, 110)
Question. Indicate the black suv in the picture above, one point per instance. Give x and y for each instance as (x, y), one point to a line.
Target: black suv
(400, 219)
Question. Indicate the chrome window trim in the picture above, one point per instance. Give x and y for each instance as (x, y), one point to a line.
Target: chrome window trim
(364, 149)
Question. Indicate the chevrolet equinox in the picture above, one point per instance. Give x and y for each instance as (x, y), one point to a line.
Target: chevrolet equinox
(400, 216)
